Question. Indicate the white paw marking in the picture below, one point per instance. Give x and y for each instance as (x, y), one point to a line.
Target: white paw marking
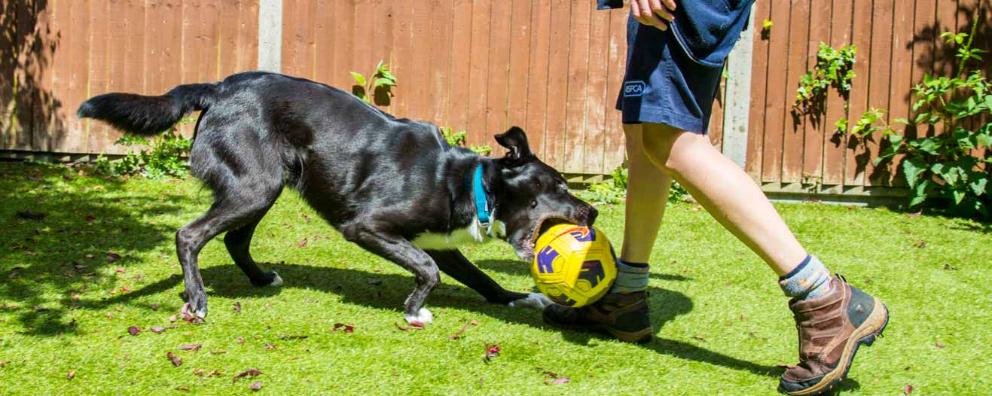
(422, 317)
(277, 281)
(533, 300)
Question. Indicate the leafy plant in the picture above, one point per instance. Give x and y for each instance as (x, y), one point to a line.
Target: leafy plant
(834, 68)
(380, 83)
(767, 24)
(871, 121)
(161, 156)
(457, 139)
(613, 190)
(950, 167)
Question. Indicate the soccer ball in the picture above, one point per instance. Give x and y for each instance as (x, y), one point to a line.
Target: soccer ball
(573, 265)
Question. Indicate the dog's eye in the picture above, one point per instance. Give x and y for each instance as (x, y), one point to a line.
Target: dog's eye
(533, 204)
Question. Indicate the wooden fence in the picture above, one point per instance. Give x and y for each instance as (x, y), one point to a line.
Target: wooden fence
(55, 54)
(550, 66)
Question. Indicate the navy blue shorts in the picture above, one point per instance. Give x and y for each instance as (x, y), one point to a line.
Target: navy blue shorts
(672, 76)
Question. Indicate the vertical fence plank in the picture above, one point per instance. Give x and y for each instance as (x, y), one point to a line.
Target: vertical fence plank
(442, 56)
(614, 139)
(596, 100)
(461, 48)
(792, 141)
(324, 48)
(576, 94)
(815, 130)
(557, 83)
(521, 30)
(537, 89)
(862, 30)
(759, 88)
(499, 69)
(834, 148)
(901, 82)
(880, 73)
(479, 71)
(100, 135)
(778, 92)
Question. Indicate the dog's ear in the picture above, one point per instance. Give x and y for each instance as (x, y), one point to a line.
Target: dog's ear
(515, 140)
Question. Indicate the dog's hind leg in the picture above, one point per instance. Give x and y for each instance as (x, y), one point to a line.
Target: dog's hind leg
(238, 241)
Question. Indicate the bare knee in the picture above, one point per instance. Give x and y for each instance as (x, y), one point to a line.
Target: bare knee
(672, 150)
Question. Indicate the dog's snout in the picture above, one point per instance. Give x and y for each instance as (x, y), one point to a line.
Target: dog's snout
(586, 215)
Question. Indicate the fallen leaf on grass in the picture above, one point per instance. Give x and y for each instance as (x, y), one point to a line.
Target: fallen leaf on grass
(70, 375)
(3, 363)
(218, 352)
(133, 330)
(204, 373)
(270, 346)
(190, 347)
(89, 218)
(173, 318)
(458, 334)
(188, 315)
(113, 258)
(154, 307)
(552, 378)
(410, 327)
(492, 351)
(907, 389)
(920, 244)
(255, 385)
(182, 388)
(698, 338)
(237, 307)
(176, 361)
(939, 345)
(157, 329)
(240, 340)
(302, 243)
(347, 328)
(252, 372)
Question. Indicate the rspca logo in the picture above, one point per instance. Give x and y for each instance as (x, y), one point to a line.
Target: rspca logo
(633, 89)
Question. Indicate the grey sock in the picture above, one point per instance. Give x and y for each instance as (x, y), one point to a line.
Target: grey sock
(810, 279)
(631, 277)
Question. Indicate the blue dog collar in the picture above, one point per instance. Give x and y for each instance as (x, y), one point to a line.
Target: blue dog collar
(481, 199)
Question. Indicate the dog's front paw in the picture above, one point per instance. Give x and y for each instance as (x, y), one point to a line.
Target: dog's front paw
(276, 279)
(193, 315)
(533, 300)
(422, 317)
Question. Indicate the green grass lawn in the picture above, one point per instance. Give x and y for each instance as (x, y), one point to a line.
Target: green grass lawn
(66, 303)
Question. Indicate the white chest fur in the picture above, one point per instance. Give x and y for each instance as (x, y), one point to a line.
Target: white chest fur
(474, 233)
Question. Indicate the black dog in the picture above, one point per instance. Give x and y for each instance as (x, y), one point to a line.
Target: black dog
(392, 186)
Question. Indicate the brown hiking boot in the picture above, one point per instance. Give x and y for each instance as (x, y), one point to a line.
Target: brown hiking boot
(831, 328)
(623, 315)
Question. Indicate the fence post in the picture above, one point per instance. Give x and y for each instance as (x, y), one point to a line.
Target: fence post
(735, 120)
(270, 35)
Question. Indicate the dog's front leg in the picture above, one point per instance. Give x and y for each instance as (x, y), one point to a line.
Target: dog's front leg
(454, 263)
(404, 253)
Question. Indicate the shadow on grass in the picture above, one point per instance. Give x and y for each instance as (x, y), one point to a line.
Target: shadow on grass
(388, 291)
(57, 233)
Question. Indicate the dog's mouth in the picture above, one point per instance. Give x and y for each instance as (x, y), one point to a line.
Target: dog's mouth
(525, 246)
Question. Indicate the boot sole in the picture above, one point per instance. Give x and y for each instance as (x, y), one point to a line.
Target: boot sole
(864, 335)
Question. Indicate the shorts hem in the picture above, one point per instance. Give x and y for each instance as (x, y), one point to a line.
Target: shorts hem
(656, 115)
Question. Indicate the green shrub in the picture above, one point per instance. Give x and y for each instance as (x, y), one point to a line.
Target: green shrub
(457, 139)
(614, 190)
(159, 157)
(949, 169)
(380, 83)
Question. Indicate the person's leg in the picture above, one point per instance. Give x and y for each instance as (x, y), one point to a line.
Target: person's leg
(647, 196)
(833, 318)
(726, 192)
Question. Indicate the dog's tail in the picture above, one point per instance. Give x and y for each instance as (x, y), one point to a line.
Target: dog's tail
(148, 115)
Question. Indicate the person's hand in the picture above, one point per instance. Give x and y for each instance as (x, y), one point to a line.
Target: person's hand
(657, 13)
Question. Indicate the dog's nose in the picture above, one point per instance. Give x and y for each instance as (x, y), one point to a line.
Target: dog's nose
(591, 214)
